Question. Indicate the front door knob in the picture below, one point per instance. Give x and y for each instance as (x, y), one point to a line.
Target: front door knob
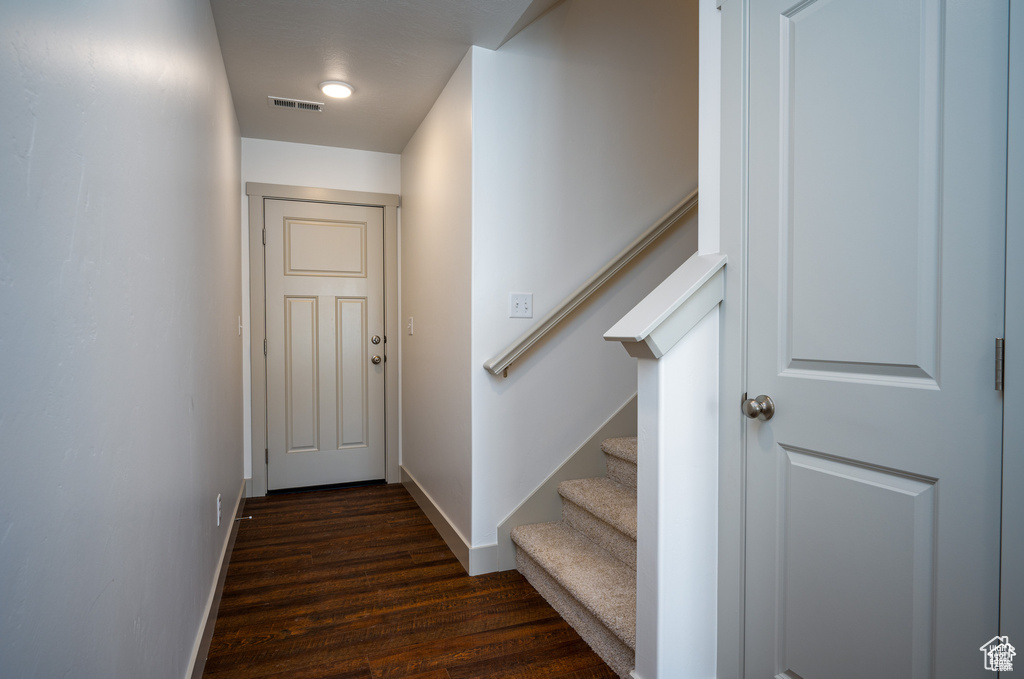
(760, 408)
(375, 360)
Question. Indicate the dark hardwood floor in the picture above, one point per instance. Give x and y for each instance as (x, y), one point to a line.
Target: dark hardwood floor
(357, 583)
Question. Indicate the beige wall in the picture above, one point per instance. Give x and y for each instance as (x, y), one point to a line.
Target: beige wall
(120, 358)
(436, 270)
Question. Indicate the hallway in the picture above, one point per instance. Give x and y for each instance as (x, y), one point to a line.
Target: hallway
(357, 583)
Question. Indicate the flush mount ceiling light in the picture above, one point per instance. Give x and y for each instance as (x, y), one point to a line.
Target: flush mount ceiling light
(336, 89)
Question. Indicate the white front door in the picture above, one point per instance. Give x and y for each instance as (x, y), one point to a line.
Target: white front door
(324, 272)
(876, 187)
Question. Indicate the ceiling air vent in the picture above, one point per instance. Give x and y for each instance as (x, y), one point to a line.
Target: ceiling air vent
(296, 104)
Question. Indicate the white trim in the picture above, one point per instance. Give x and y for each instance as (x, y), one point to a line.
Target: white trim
(677, 507)
(1011, 590)
(204, 636)
(475, 560)
(286, 192)
(483, 559)
(732, 347)
(672, 309)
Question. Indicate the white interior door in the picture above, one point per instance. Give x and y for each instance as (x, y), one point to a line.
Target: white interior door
(325, 343)
(876, 179)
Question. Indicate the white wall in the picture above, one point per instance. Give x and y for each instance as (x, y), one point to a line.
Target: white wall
(585, 133)
(324, 167)
(436, 265)
(710, 124)
(120, 368)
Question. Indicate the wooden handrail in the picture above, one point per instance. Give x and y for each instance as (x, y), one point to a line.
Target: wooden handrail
(499, 364)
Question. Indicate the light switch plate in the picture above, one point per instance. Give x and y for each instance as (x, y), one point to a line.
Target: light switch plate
(520, 305)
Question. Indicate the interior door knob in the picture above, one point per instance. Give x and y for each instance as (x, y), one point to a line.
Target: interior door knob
(760, 408)
(375, 360)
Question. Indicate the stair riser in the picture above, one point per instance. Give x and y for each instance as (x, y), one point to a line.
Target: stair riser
(620, 545)
(612, 650)
(622, 471)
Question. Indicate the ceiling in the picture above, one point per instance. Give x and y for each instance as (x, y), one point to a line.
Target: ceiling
(397, 54)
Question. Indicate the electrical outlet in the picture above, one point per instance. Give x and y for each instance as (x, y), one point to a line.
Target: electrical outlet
(520, 305)
(218, 509)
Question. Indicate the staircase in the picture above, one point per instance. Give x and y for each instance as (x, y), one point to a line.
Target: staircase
(585, 564)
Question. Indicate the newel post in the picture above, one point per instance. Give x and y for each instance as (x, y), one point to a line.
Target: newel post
(674, 334)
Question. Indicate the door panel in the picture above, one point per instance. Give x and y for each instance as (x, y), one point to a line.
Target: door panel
(841, 522)
(325, 249)
(325, 300)
(353, 409)
(876, 227)
(301, 372)
(854, 181)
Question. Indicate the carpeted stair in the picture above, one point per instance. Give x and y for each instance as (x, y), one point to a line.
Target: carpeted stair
(585, 564)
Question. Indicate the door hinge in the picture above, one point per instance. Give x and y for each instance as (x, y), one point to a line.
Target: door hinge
(264, 235)
(266, 456)
(264, 346)
(1000, 356)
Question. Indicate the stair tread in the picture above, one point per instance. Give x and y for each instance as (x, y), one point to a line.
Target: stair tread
(623, 448)
(597, 580)
(606, 499)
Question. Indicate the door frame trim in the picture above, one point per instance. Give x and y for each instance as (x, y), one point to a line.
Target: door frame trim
(1011, 590)
(257, 193)
(732, 443)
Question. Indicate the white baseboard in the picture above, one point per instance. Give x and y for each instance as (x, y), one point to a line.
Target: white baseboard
(475, 560)
(201, 647)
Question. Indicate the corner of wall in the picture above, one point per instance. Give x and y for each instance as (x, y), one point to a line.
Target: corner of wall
(436, 265)
(204, 638)
(544, 503)
(474, 560)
